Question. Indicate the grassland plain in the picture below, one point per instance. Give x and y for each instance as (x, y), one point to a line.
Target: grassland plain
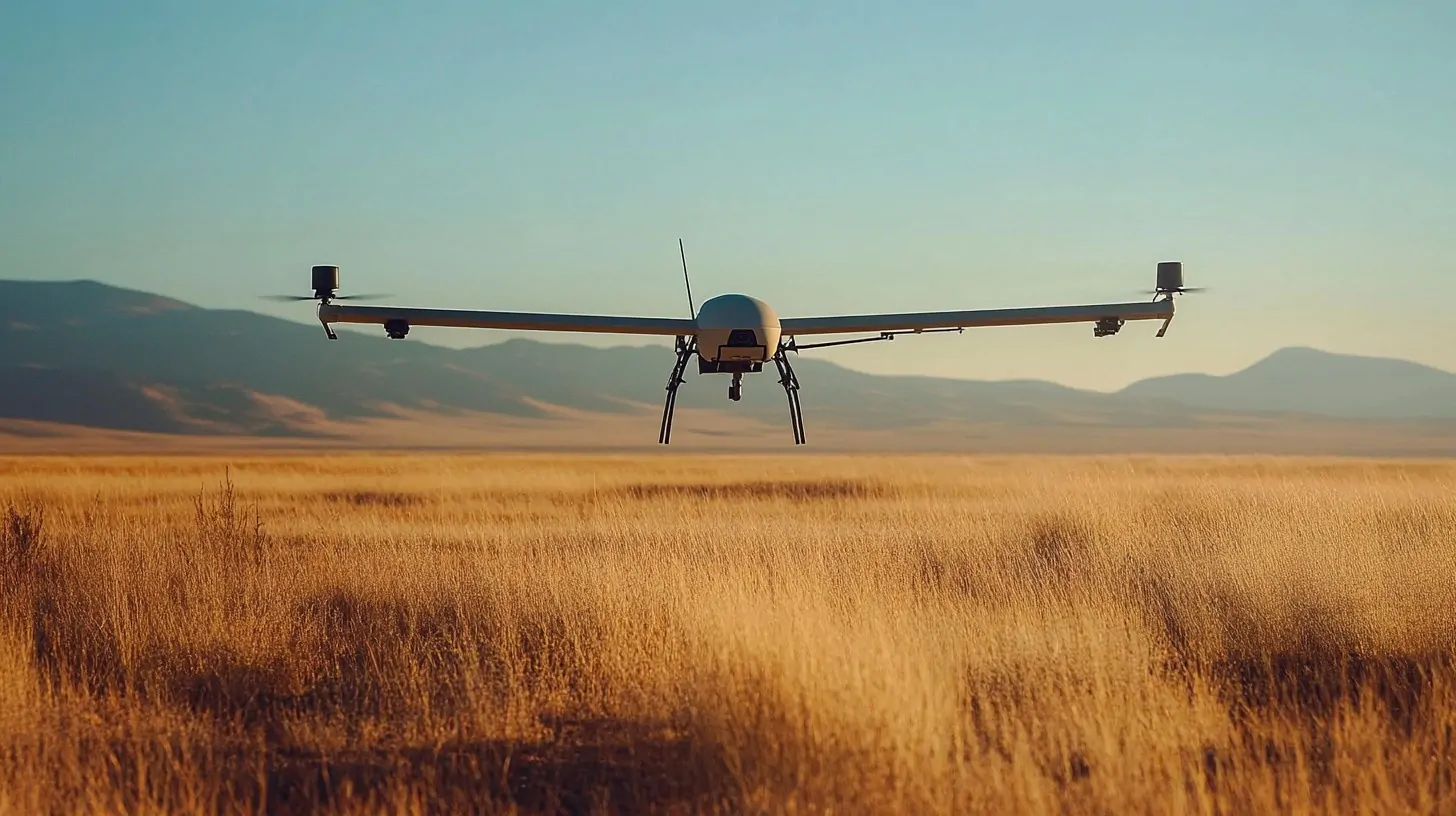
(528, 633)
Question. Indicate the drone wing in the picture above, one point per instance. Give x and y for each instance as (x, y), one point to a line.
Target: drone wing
(1161, 309)
(520, 321)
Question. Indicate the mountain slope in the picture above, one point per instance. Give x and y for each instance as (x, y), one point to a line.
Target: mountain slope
(33, 304)
(1304, 380)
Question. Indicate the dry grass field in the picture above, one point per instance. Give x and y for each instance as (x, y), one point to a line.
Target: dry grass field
(548, 633)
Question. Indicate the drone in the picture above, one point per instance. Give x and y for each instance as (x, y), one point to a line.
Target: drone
(736, 334)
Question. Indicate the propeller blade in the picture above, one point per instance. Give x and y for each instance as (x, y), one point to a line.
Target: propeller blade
(296, 298)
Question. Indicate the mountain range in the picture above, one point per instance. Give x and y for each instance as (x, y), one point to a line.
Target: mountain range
(85, 354)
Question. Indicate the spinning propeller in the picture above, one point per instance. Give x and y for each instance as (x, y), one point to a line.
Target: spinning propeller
(292, 298)
(1170, 281)
(325, 283)
(1181, 290)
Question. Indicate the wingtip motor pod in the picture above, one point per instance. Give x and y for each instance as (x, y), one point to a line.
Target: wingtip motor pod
(325, 280)
(1170, 276)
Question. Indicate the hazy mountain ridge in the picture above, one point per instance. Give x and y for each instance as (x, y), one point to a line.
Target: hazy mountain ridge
(45, 304)
(1309, 381)
(85, 353)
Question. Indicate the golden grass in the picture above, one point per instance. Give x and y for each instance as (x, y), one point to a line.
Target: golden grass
(759, 634)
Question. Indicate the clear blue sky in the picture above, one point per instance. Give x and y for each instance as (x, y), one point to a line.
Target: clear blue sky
(1299, 157)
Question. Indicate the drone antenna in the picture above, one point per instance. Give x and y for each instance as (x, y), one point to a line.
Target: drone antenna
(692, 310)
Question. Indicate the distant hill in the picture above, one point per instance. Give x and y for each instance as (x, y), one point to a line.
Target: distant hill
(82, 353)
(1308, 381)
(37, 304)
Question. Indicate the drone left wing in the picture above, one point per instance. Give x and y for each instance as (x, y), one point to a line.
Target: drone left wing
(1161, 309)
(405, 317)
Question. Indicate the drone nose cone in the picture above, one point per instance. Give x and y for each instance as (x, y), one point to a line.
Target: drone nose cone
(736, 311)
(737, 333)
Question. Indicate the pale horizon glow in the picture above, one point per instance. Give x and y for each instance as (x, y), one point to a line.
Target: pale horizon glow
(919, 156)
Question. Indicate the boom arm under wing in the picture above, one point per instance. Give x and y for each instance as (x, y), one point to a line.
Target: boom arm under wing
(521, 321)
(1161, 309)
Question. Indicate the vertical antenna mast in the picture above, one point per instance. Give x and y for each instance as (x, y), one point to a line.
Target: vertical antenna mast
(692, 310)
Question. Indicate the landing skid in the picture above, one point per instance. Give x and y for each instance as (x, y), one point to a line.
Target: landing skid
(790, 382)
(686, 348)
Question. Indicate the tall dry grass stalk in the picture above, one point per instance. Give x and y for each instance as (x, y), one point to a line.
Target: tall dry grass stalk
(539, 633)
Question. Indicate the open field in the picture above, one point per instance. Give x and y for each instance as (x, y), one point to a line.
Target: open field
(726, 633)
(714, 431)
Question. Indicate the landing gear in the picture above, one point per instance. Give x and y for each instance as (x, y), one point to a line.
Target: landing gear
(790, 382)
(686, 348)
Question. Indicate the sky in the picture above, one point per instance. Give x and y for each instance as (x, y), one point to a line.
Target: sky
(1298, 157)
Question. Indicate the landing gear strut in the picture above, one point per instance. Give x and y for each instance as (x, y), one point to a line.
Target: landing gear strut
(686, 348)
(735, 391)
(790, 382)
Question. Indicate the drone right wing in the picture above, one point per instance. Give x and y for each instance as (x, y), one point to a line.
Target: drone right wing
(1161, 309)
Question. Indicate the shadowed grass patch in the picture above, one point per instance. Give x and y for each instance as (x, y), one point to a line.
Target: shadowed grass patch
(794, 491)
(375, 498)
